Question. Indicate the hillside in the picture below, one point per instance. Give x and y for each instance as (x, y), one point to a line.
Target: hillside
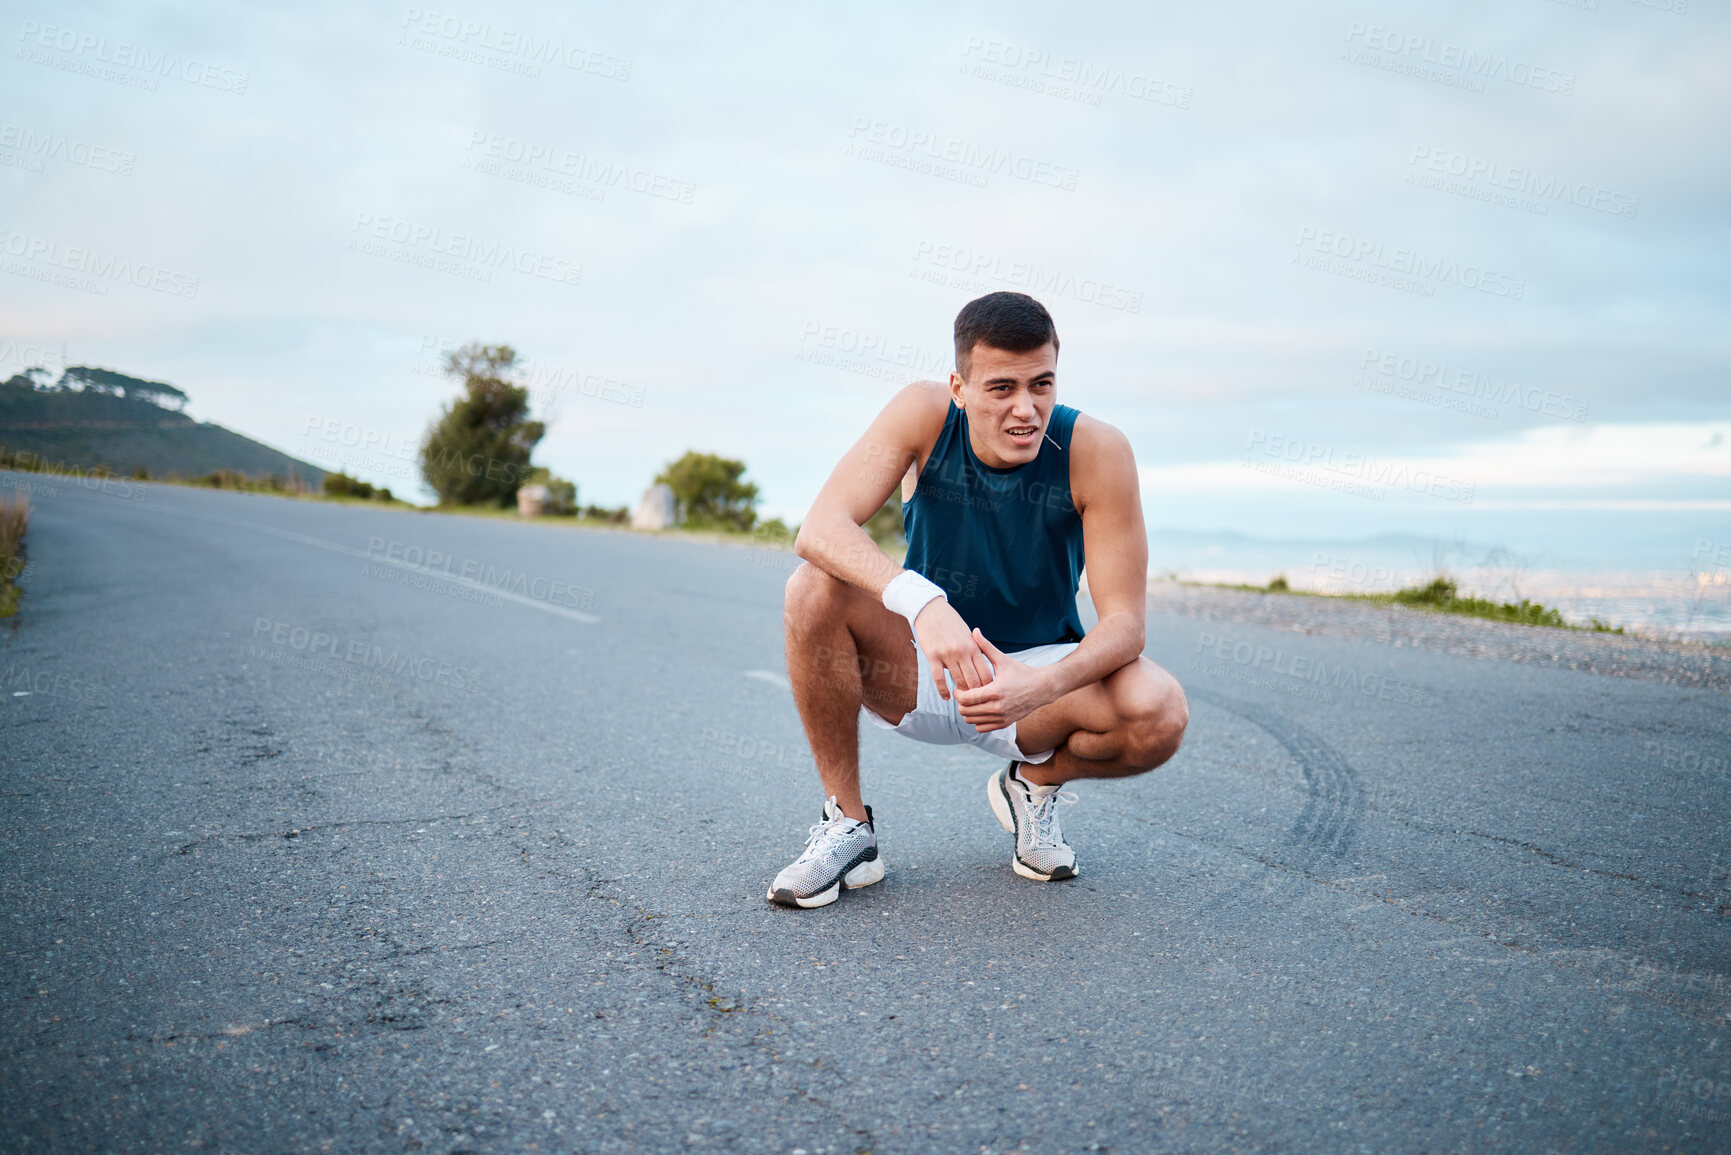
(96, 417)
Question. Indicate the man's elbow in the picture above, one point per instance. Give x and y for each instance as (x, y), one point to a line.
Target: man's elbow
(806, 543)
(1133, 629)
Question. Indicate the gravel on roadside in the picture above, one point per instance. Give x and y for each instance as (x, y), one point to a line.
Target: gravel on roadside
(1677, 662)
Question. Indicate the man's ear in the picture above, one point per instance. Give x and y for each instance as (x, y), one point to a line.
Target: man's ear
(956, 390)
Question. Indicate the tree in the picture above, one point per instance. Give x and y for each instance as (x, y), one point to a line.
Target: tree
(477, 452)
(87, 377)
(708, 491)
(885, 526)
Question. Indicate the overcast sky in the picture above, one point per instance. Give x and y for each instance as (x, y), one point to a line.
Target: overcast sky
(1335, 268)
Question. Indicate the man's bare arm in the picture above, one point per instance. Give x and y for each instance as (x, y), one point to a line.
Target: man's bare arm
(831, 538)
(1108, 489)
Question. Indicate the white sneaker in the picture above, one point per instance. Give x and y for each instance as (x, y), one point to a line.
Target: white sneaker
(839, 853)
(1031, 813)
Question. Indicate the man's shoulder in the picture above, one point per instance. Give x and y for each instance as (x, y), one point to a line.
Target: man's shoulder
(917, 413)
(1094, 438)
(921, 399)
(1102, 464)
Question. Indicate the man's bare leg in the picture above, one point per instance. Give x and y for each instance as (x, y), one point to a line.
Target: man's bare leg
(844, 649)
(1127, 723)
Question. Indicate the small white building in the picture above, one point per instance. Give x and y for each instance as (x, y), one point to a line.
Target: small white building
(532, 500)
(655, 509)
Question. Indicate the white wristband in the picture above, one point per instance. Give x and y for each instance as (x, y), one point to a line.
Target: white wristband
(908, 593)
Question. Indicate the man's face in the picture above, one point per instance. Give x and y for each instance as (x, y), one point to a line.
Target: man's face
(1008, 398)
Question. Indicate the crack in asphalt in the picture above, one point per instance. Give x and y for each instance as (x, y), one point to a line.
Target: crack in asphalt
(344, 824)
(722, 1007)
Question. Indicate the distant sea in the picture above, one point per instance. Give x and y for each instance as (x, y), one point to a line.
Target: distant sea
(1670, 584)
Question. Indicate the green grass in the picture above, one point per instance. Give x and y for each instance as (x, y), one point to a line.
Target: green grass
(14, 520)
(271, 485)
(1277, 586)
(583, 518)
(1442, 596)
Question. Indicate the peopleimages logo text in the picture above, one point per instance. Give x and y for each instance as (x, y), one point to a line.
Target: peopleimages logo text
(1083, 75)
(85, 47)
(1369, 471)
(851, 346)
(988, 269)
(1314, 671)
(482, 255)
(514, 43)
(100, 268)
(316, 644)
(963, 153)
(1440, 375)
(1412, 263)
(1468, 63)
(520, 582)
(578, 166)
(1543, 187)
(54, 146)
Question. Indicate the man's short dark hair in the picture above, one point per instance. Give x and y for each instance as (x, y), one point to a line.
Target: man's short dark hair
(1013, 322)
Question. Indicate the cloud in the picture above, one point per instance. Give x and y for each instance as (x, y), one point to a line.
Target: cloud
(1202, 140)
(1544, 468)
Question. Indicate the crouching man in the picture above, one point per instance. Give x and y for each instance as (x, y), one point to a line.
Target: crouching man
(978, 640)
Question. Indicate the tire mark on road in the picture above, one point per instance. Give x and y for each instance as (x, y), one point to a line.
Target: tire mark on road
(1328, 825)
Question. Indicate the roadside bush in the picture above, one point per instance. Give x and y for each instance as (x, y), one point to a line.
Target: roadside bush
(246, 483)
(342, 485)
(561, 494)
(709, 492)
(773, 532)
(1442, 594)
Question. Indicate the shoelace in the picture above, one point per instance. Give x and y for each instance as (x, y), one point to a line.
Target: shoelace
(817, 833)
(1043, 817)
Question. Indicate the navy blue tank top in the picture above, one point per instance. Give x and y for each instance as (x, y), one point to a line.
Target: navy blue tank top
(1004, 544)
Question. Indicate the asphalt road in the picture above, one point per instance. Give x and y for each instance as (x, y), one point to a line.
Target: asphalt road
(306, 850)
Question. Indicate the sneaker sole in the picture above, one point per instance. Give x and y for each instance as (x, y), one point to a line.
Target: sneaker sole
(862, 875)
(1057, 875)
(1007, 819)
(1000, 804)
(821, 898)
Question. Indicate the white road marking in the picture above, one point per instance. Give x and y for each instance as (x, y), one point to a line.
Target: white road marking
(349, 551)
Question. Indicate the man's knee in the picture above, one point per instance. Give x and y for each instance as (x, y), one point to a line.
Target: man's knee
(812, 595)
(1155, 715)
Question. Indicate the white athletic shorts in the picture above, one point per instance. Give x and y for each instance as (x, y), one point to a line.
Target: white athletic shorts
(940, 722)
